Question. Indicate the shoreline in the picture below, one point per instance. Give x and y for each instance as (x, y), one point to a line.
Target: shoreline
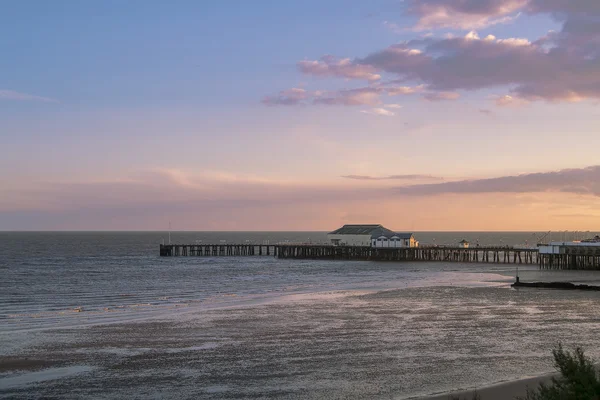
(499, 391)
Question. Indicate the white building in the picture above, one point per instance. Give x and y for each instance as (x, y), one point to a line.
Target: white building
(370, 235)
(463, 244)
(562, 247)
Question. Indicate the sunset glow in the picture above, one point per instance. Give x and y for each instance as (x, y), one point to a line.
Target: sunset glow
(420, 115)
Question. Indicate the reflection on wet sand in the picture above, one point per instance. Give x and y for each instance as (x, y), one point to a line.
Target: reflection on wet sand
(367, 344)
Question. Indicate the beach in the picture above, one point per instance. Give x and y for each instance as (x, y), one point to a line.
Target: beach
(500, 391)
(393, 343)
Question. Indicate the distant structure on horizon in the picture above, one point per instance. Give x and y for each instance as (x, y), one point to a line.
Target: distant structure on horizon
(370, 235)
(463, 244)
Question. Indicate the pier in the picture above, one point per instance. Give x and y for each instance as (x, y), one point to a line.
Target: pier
(216, 250)
(584, 254)
(568, 257)
(571, 257)
(497, 255)
(374, 242)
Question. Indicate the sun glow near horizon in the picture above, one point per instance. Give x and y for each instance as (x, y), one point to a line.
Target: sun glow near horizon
(431, 116)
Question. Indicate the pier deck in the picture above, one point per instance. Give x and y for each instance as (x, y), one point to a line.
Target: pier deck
(503, 255)
(572, 257)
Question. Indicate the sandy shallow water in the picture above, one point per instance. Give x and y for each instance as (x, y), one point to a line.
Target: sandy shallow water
(342, 344)
(100, 315)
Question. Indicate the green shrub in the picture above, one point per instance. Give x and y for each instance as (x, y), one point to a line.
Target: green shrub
(578, 378)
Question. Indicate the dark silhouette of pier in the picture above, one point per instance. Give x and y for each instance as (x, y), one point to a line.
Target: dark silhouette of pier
(491, 254)
(574, 257)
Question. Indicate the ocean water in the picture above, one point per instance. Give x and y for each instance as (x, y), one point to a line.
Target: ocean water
(106, 317)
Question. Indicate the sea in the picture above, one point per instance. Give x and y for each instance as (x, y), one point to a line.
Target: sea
(101, 315)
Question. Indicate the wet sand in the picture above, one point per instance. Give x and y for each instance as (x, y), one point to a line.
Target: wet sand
(10, 364)
(501, 391)
(393, 344)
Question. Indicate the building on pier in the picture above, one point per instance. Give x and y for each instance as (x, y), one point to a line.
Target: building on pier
(583, 254)
(371, 236)
(589, 245)
(463, 244)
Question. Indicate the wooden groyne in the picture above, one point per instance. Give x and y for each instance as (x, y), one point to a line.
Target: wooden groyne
(498, 255)
(555, 285)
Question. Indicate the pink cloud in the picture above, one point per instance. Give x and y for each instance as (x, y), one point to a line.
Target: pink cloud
(149, 201)
(362, 96)
(393, 177)
(353, 97)
(460, 14)
(584, 181)
(507, 101)
(329, 66)
(379, 111)
(562, 66)
(287, 97)
(440, 96)
(402, 90)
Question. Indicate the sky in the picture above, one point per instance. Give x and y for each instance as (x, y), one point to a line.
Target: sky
(421, 115)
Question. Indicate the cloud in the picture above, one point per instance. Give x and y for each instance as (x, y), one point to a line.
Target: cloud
(352, 97)
(219, 200)
(460, 14)
(404, 90)
(508, 101)
(585, 181)
(392, 177)
(467, 15)
(561, 66)
(394, 106)
(159, 191)
(289, 97)
(379, 111)
(397, 58)
(486, 111)
(329, 66)
(12, 95)
(461, 63)
(367, 95)
(563, 6)
(513, 41)
(439, 96)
